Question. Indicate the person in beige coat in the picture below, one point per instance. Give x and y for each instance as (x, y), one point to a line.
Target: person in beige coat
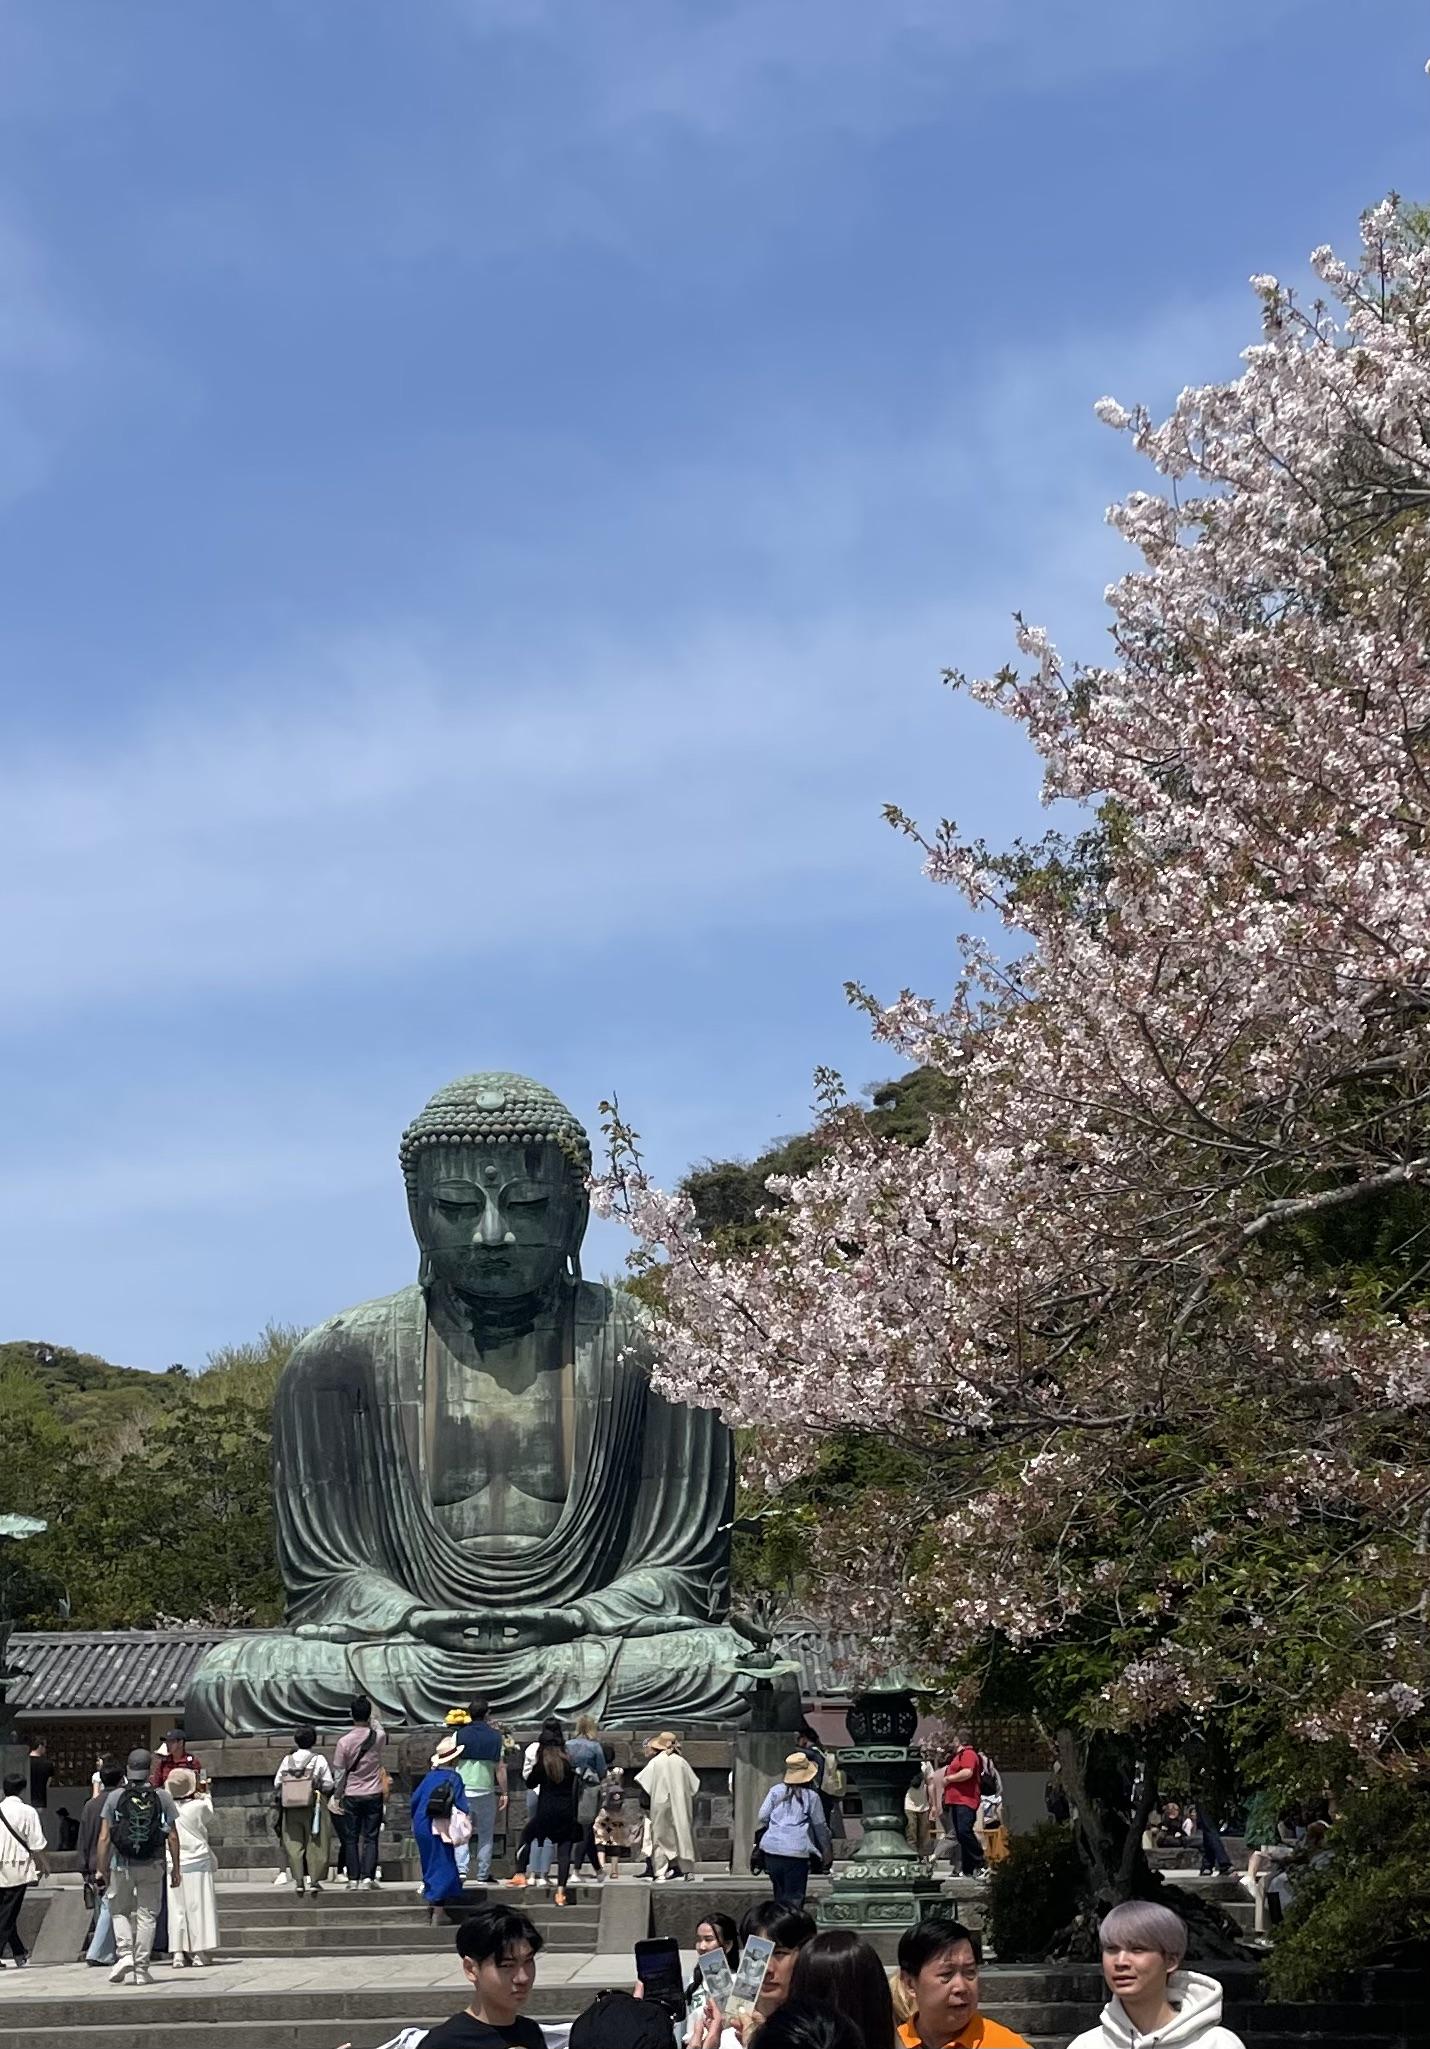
(671, 1786)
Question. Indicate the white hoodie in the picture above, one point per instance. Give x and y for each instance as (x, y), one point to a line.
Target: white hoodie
(1195, 2022)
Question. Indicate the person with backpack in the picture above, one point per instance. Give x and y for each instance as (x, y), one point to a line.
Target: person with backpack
(138, 1838)
(992, 1824)
(302, 1787)
(441, 1818)
(618, 1823)
(962, 1798)
(483, 1772)
(590, 1760)
(554, 1782)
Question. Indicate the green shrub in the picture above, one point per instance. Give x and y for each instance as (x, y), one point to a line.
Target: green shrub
(1034, 1893)
(1370, 1903)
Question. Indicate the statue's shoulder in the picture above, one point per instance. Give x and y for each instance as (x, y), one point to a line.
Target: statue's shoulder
(627, 1319)
(366, 1327)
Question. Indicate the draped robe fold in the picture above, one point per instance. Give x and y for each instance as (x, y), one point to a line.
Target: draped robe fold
(640, 1548)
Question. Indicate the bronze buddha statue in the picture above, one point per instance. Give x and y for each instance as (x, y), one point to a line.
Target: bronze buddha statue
(477, 1489)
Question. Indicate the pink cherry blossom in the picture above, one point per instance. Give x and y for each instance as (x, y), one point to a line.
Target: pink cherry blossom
(1206, 1033)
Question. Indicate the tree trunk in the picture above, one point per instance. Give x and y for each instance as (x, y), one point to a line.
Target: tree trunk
(1093, 1842)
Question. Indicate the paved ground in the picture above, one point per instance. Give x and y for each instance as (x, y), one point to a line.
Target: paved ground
(347, 1970)
(349, 1973)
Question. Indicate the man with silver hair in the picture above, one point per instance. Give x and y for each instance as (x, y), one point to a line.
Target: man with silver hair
(1153, 1997)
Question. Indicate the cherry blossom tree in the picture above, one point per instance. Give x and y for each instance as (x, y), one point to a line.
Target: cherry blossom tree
(1152, 1301)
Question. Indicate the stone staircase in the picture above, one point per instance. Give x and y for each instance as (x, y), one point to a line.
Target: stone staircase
(280, 1923)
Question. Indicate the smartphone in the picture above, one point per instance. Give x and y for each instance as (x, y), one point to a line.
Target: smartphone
(749, 1979)
(658, 1969)
(716, 1973)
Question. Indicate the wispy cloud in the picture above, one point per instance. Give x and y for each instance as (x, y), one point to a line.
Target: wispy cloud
(842, 64)
(370, 801)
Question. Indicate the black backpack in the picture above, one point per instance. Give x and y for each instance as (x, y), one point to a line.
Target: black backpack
(440, 1802)
(138, 1828)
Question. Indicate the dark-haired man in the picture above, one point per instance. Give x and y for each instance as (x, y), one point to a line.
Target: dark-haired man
(91, 1820)
(22, 1863)
(940, 1962)
(357, 1773)
(961, 1796)
(498, 1948)
(138, 1837)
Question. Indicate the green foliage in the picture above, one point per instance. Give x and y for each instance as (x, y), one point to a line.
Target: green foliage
(155, 1488)
(1034, 1893)
(1370, 1903)
(736, 1211)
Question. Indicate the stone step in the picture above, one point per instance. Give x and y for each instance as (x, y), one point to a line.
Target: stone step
(371, 1941)
(246, 1908)
(368, 1909)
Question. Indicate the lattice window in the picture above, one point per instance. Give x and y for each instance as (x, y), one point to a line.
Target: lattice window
(73, 1746)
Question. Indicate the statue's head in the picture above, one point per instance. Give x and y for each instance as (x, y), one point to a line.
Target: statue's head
(496, 1170)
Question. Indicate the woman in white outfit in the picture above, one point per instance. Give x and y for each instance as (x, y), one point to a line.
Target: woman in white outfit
(193, 1904)
(1155, 2004)
(671, 1786)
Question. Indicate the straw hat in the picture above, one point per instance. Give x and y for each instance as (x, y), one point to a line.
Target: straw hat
(800, 1770)
(664, 1741)
(181, 1782)
(447, 1751)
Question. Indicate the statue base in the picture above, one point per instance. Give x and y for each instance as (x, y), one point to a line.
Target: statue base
(257, 1685)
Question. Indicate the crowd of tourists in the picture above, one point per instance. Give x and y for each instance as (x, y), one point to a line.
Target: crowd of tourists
(830, 1990)
(146, 1862)
(149, 1870)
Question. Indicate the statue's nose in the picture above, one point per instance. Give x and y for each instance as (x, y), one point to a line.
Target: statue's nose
(492, 1229)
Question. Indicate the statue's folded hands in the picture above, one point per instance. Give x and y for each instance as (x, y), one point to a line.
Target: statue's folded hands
(523, 1629)
(446, 1627)
(516, 1629)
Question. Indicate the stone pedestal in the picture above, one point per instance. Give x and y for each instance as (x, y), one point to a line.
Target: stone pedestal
(759, 1760)
(885, 1884)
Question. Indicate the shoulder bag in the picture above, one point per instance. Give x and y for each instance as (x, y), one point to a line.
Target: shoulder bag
(820, 1833)
(11, 1828)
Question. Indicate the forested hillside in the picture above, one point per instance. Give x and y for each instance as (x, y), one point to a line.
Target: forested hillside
(154, 1485)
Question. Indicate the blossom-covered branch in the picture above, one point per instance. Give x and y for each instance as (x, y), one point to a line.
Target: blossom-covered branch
(1208, 1044)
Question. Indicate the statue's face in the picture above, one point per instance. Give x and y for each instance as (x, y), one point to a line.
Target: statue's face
(498, 1220)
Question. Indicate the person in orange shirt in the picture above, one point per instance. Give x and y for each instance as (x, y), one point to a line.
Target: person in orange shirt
(939, 1963)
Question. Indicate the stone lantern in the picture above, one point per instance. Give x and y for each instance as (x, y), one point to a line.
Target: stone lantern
(885, 1884)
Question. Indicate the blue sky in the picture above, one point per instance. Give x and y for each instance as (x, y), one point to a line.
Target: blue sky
(487, 489)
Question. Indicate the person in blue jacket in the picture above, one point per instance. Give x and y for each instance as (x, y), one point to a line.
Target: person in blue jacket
(435, 1800)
